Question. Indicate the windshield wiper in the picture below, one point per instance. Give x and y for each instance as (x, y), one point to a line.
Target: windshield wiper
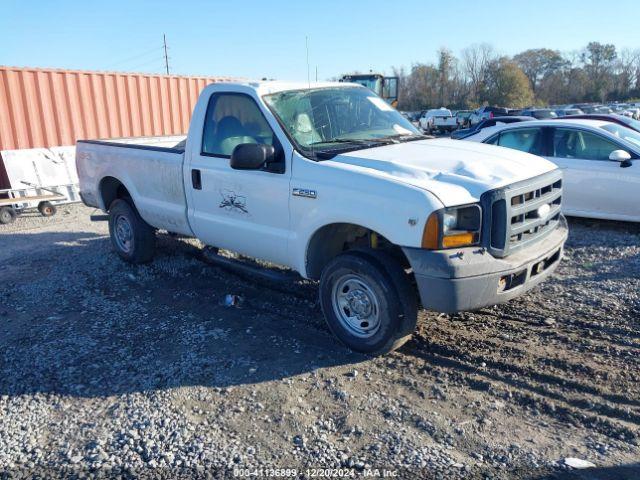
(408, 137)
(360, 143)
(355, 141)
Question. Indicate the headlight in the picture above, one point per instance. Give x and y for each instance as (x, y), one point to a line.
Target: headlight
(453, 227)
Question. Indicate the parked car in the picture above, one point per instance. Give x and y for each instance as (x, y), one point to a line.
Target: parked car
(539, 113)
(483, 113)
(599, 162)
(490, 122)
(632, 112)
(563, 112)
(329, 180)
(462, 117)
(618, 107)
(438, 120)
(414, 117)
(590, 109)
(612, 117)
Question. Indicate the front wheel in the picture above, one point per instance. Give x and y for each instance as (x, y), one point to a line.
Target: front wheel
(132, 238)
(368, 301)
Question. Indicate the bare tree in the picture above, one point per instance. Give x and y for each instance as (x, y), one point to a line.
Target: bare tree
(626, 72)
(476, 60)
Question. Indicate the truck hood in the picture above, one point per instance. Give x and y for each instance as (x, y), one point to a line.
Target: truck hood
(455, 171)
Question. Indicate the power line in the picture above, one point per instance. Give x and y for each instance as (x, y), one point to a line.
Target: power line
(135, 57)
(144, 64)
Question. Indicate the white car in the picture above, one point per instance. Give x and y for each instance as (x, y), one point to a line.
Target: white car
(438, 119)
(329, 180)
(599, 160)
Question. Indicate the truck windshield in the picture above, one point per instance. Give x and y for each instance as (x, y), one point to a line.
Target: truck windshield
(330, 119)
(372, 83)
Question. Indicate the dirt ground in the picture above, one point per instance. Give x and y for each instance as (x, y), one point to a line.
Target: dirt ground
(112, 369)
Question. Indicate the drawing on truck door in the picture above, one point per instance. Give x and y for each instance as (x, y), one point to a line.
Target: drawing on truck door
(233, 202)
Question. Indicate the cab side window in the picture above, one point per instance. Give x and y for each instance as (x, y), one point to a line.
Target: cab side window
(231, 120)
(572, 143)
(524, 139)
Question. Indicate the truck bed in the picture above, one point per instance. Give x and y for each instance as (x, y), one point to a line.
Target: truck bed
(172, 143)
(150, 168)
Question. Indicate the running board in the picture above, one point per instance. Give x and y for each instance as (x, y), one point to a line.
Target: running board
(247, 267)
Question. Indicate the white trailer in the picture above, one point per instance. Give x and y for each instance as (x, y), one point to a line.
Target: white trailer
(39, 178)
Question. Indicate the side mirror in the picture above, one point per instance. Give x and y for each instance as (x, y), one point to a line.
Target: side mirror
(619, 156)
(251, 156)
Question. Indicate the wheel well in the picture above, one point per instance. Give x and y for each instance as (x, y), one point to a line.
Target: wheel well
(111, 189)
(331, 240)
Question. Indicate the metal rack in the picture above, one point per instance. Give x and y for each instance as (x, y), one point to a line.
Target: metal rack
(14, 201)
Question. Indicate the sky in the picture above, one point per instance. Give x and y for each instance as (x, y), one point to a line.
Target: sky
(266, 38)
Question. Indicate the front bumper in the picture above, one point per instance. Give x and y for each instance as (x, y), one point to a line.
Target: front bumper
(471, 278)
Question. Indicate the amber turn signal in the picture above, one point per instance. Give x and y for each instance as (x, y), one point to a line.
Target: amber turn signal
(430, 234)
(458, 240)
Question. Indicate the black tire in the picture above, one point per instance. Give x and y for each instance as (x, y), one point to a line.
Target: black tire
(387, 281)
(47, 209)
(132, 238)
(7, 215)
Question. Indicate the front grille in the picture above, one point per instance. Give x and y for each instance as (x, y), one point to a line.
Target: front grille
(522, 213)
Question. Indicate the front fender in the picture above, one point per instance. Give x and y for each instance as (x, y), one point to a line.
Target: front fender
(394, 210)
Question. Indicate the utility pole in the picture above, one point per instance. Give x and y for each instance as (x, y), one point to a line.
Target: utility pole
(166, 57)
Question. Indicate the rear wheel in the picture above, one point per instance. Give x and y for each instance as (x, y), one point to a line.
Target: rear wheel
(7, 215)
(132, 238)
(47, 209)
(368, 301)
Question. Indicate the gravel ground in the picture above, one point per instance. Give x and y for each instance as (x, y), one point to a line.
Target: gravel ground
(108, 369)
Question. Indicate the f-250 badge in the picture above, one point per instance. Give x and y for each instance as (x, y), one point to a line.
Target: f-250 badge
(232, 202)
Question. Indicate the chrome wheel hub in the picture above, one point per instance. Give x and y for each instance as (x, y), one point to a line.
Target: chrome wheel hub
(123, 234)
(356, 306)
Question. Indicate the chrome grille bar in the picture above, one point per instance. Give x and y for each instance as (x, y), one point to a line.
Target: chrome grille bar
(522, 213)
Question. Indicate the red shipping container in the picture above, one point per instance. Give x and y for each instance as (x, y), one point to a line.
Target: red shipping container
(51, 107)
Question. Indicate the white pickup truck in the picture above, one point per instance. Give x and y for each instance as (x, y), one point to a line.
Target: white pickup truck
(329, 180)
(438, 120)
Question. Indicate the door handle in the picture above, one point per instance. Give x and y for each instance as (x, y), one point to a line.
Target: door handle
(196, 179)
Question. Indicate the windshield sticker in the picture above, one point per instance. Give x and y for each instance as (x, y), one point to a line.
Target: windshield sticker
(381, 104)
(233, 202)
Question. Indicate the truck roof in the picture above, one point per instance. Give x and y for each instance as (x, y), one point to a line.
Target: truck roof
(274, 86)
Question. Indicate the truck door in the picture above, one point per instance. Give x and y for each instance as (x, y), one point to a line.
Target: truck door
(246, 211)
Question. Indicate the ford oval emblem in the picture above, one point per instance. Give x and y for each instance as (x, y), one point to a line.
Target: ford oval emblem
(543, 210)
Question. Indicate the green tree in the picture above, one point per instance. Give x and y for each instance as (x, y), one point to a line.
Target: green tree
(598, 61)
(419, 89)
(537, 63)
(507, 84)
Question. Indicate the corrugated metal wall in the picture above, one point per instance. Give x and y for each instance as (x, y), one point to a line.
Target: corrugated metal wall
(47, 107)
